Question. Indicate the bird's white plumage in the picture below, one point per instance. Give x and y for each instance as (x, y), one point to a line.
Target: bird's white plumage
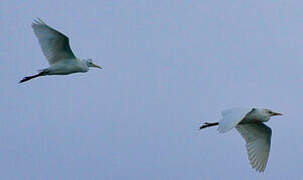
(232, 117)
(55, 45)
(249, 123)
(258, 138)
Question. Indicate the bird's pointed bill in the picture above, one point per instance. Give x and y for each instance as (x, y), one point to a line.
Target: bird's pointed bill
(277, 114)
(95, 65)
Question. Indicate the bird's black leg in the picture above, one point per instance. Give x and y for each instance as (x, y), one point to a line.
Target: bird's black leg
(205, 125)
(31, 77)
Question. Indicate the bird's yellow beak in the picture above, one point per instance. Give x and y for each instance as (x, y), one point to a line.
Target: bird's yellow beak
(277, 114)
(95, 65)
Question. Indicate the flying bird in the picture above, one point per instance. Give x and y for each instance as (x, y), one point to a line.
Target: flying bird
(249, 123)
(56, 49)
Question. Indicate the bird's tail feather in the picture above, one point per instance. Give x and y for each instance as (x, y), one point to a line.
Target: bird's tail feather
(42, 70)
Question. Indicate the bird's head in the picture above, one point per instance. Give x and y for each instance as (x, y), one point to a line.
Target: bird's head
(271, 113)
(263, 114)
(89, 63)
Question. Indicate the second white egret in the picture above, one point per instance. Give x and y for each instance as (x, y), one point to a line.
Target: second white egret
(55, 46)
(249, 123)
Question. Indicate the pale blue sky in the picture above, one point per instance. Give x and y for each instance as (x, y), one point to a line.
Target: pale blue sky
(168, 66)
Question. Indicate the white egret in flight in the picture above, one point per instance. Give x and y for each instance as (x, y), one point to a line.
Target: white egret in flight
(249, 123)
(55, 47)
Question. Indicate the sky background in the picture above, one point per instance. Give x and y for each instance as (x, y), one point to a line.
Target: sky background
(168, 66)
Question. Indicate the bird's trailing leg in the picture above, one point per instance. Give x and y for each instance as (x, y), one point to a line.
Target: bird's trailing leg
(205, 125)
(42, 73)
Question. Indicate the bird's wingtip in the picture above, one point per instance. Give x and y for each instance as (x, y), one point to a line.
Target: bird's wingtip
(37, 21)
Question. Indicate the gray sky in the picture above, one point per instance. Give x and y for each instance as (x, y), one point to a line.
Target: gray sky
(168, 67)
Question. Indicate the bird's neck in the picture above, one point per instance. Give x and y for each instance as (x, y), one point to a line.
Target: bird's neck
(84, 65)
(258, 115)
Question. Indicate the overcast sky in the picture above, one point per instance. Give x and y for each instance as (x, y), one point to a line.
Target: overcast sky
(168, 66)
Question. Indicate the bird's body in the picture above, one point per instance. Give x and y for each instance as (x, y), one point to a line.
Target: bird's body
(55, 46)
(249, 123)
(67, 66)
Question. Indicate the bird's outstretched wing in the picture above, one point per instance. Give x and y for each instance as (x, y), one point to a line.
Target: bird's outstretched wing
(232, 117)
(55, 45)
(258, 138)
